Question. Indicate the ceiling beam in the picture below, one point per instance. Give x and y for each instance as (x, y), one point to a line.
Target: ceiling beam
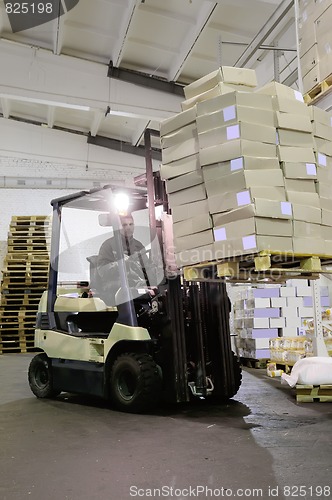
(145, 80)
(124, 147)
(51, 116)
(124, 30)
(275, 21)
(138, 135)
(58, 35)
(98, 117)
(5, 106)
(189, 42)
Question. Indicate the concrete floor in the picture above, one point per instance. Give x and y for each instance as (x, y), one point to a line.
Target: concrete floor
(76, 448)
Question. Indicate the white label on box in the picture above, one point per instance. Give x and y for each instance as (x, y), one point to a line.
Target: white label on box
(286, 208)
(322, 160)
(243, 198)
(220, 234)
(311, 169)
(277, 139)
(249, 242)
(229, 113)
(233, 132)
(237, 164)
(298, 96)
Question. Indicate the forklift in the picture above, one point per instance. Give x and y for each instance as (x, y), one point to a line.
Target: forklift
(166, 339)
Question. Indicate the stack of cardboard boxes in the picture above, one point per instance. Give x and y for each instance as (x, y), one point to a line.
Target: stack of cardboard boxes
(262, 315)
(315, 41)
(246, 171)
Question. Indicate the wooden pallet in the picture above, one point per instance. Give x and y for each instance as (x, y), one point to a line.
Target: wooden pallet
(320, 90)
(314, 393)
(254, 363)
(258, 267)
(29, 257)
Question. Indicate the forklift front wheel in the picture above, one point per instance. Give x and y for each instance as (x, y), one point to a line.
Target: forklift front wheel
(135, 382)
(40, 377)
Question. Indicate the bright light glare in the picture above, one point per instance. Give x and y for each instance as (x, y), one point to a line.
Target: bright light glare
(121, 203)
(159, 209)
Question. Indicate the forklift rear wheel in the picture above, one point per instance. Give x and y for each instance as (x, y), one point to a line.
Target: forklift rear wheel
(40, 377)
(135, 382)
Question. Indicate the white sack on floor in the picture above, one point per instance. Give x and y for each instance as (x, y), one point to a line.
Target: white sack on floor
(310, 371)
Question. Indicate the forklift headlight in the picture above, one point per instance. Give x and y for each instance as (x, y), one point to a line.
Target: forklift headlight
(121, 203)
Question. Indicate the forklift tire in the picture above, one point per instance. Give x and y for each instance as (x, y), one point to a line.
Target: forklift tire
(230, 391)
(135, 382)
(40, 377)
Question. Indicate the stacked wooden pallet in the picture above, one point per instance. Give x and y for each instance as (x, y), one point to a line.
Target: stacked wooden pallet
(25, 273)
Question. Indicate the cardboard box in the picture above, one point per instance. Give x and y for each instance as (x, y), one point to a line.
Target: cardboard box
(193, 240)
(311, 79)
(325, 203)
(326, 232)
(294, 138)
(294, 301)
(302, 185)
(328, 248)
(303, 291)
(325, 65)
(194, 256)
(188, 210)
(307, 213)
(322, 131)
(235, 114)
(279, 302)
(181, 150)
(324, 45)
(326, 217)
(322, 146)
(237, 99)
(303, 229)
(288, 312)
(180, 167)
(295, 155)
(309, 59)
(184, 181)
(254, 225)
(293, 322)
(256, 323)
(292, 121)
(267, 291)
(235, 149)
(185, 196)
(238, 181)
(219, 89)
(280, 90)
(258, 302)
(277, 323)
(308, 246)
(238, 76)
(306, 312)
(192, 225)
(323, 160)
(324, 174)
(298, 198)
(217, 170)
(252, 244)
(323, 23)
(263, 208)
(242, 130)
(299, 170)
(320, 115)
(324, 191)
(287, 292)
(179, 136)
(293, 106)
(178, 121)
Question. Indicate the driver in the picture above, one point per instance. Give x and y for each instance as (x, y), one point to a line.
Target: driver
(107, 262)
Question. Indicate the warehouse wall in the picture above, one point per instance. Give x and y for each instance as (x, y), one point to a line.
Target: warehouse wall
(38, 164)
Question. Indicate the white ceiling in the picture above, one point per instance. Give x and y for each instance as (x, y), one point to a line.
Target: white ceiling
(56, 73)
